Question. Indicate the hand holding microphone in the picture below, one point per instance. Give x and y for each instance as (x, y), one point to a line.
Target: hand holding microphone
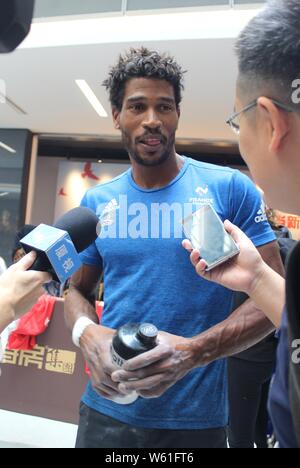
(20, 289)
(58, 247)
(52, 253)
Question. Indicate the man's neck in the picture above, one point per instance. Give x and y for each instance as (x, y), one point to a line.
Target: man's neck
(158, 176)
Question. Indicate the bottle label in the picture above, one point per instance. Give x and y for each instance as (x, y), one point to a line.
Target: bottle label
(116, 359)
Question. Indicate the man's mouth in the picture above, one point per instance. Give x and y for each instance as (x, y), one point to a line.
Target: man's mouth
(151, 142)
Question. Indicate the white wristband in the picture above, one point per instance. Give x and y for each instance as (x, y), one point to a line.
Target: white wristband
(80, 325)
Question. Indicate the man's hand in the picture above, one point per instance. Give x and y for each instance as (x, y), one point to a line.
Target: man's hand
(95, 344)
(152, 373)
(20, 289)
(238, 274)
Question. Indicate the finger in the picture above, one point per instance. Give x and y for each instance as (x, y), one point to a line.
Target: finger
(160, 367)
(150, 393)
(200, 267)
(186, 244)
(194, 257)
(105, 394)
(41, 277)
(144, 384)
(162, 351)
(109, 383)
(26, 262)
(125, 376)
(234, 231)
(109, 391)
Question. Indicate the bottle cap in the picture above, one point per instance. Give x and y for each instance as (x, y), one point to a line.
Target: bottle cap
(147, 333)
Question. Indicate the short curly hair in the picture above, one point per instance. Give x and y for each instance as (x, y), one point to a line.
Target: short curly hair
(143, 63)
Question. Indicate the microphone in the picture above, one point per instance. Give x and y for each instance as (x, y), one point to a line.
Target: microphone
(58, 246)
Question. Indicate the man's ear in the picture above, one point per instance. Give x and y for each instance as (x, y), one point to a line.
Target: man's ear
(277, 122)
(116, 118)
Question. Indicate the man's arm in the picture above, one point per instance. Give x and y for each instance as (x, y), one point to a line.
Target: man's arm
(248, 273)
(245, 327)
(80, 301)
(95, 340)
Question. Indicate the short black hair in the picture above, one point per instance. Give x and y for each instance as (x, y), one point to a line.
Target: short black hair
(268, 51)
(19, 235)
(143, 63)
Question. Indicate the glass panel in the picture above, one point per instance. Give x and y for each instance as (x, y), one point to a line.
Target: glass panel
(48, 8)
(156, 4)
(244, 2)
(12, 158)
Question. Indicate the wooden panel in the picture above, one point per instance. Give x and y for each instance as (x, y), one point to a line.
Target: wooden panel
(47, 381)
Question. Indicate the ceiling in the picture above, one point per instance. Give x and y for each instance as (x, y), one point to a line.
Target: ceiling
(41, 81)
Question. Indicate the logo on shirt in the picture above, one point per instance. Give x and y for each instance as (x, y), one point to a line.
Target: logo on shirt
(108, 215)
(261, 214)
(202, 190)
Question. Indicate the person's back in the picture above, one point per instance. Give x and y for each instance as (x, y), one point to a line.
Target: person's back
(293, 312)
(250, 373)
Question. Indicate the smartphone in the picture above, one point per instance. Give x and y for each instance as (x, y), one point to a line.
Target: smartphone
(207, 234)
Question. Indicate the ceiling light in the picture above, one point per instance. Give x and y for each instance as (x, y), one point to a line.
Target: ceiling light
(216, 24)
(7, 148)
(100, 161)
(91, 97)
(3, 194)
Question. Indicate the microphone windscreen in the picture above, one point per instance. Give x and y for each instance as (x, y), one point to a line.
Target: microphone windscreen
(81, 225)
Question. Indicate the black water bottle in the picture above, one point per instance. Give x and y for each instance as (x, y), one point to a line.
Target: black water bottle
(129, 341)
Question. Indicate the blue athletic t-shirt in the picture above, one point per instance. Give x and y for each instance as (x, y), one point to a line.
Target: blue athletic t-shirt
(148, 277)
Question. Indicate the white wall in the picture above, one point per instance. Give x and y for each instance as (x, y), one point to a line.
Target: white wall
(45, 190)
(54, 174)
(75, 178)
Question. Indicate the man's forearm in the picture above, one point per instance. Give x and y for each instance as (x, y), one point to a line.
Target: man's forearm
(245, 327)
(76, 306)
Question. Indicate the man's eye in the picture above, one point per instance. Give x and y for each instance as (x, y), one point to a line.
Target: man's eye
(137, 107)
(165, 108)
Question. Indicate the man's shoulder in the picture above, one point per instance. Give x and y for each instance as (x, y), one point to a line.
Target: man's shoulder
(219, 176)
(209, 167)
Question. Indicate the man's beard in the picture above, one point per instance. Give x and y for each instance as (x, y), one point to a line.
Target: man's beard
(149, 162)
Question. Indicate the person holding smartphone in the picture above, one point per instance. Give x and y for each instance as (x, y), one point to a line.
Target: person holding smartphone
(267, 119)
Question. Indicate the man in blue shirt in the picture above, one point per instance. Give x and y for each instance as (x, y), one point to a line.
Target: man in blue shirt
(267, 118)
(148, 277)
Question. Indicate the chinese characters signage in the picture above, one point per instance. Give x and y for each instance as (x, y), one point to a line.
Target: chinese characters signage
(43, 358)
(292, 222)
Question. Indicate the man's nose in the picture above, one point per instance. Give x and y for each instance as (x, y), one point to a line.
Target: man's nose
(152, 120)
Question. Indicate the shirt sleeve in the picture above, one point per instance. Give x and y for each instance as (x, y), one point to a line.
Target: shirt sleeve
(248, 210)
(91, 255)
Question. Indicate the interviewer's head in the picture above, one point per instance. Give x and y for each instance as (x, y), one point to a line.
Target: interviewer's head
(268, 94)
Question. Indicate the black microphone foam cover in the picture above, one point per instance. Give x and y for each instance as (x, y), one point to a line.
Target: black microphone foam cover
(81, 225)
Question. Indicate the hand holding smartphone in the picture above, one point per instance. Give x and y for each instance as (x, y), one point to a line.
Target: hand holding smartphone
(207, 234)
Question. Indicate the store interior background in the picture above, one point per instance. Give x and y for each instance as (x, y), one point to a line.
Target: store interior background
(74, 40)
(51, 138)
